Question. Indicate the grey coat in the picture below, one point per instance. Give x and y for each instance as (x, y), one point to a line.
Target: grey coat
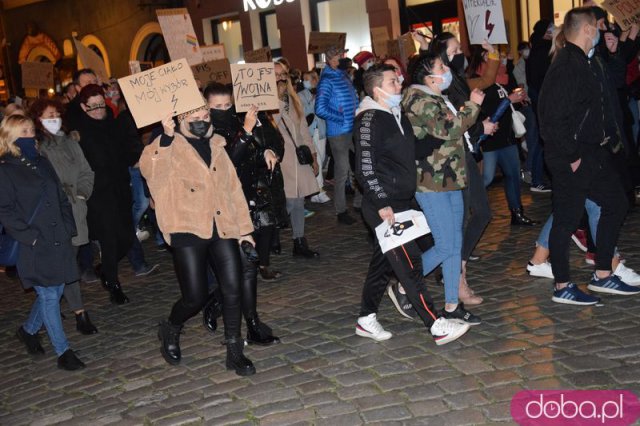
(45, 256)
(76, 177)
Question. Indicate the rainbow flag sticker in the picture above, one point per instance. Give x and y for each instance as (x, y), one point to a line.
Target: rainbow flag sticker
(192, 40)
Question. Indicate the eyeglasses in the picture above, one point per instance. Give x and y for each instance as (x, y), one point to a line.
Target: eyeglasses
(95, 107)
(281, 75)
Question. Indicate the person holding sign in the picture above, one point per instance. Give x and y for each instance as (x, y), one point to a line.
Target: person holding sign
(109, 215)
(255, 151)
(442, 173)
(204, 217)
(299, 173)
(386, 170)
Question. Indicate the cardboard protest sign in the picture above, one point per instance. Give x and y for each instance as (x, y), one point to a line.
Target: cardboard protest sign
(212, 52)
(626, 12)
(485, 21)
(258, 55)
(217, 71)
(379, 38)
(90, 59)
(179, 35)
(152, 94)
(320, 42)
(393, 49)
(37, 75)
(254, 84)
(407, 46)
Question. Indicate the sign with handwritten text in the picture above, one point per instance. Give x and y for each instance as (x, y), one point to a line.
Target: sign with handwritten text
(37, 75)
(626, 12)
(254, 84)
(213, 71)
(179, 35)
(485, 21)
(152, 94)
(379, 38)
(212, 52)
(259, 55)
(320, 42)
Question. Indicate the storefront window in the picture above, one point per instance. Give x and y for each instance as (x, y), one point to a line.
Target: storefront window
(346, 16)
(228, 32)
(270, 32)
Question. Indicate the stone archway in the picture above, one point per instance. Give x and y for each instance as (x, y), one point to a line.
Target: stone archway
(36, 46)
(141, 40)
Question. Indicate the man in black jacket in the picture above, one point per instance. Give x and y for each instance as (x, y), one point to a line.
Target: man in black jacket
(386, 171)
(578, 126)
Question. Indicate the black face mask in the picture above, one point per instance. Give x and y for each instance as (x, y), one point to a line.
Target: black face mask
(199, 128)
(223, 118)
(457, 62)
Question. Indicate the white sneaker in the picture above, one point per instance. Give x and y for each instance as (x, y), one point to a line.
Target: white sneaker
(370, 327)
(628, 275)
(542, 270)
(447, 330)
(320, 198)
(142, 235)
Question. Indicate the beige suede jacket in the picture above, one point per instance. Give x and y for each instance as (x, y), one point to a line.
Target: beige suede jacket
(188, 196)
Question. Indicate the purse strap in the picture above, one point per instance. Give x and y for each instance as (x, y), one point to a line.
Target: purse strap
(288, 131)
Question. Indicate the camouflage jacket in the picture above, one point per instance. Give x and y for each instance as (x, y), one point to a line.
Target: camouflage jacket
(444, 169)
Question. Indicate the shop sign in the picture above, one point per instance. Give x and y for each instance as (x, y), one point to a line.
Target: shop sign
(262, 4)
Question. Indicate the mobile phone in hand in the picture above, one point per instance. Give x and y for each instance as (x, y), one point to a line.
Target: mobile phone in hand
(249, 251)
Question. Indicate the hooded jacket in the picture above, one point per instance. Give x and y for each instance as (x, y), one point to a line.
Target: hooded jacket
(336, 101)
(385, 159)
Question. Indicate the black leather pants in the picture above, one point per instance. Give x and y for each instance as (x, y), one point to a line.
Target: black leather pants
(191, 270)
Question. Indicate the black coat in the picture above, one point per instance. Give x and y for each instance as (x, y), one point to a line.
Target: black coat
(109, 154)
(263, 189)
(51, 260)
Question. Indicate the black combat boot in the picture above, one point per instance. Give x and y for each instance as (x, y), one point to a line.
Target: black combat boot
(300, 248)
(259, 333)
(236, 359)
(519, 219)
(84, 325)
(169, 336)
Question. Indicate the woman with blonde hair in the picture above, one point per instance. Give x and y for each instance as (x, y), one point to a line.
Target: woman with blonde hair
(35, 211)
(299, 170)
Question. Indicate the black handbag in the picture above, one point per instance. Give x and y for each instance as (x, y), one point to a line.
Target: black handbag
(303, 152)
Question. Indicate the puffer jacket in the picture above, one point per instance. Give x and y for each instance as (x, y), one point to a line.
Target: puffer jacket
(336, 101)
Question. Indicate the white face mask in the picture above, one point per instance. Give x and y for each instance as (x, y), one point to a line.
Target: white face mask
(367, 65)
(53, 125)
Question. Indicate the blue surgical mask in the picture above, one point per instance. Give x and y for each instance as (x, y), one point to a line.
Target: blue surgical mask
(392, 101)
(447, 78)
(307, 84)
(27, 147)
(596, 40)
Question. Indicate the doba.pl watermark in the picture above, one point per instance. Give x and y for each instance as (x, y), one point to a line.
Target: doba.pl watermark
(562, 407)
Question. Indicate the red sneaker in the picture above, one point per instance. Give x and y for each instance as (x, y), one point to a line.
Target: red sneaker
(590, 258)
(580, 238)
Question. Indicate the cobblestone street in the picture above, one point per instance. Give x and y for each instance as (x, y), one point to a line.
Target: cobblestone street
(322, 373)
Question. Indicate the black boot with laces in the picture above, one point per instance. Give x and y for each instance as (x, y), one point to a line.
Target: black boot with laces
(236, 359)
(169, 336)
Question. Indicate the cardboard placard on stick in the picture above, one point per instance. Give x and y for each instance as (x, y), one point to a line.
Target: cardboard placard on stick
(485, 21)
(259, 55)
(217, 71)
(407, 46)
(90, 59)
(254, 84)
(213, 52)
(152, 94)
(37, 75)
(320, 42)
(179, 35)
(626, 12)
(393, 49)
(379, 38)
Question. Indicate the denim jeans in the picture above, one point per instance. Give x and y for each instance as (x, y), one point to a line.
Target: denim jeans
(593, 213)
(635, 126)
(535, 160)
(444, 212)
(46, 310)
(509, 161)
(140, 200)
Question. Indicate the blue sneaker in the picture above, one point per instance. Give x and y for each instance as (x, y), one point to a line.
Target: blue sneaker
(572, 295)
(612, 285)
